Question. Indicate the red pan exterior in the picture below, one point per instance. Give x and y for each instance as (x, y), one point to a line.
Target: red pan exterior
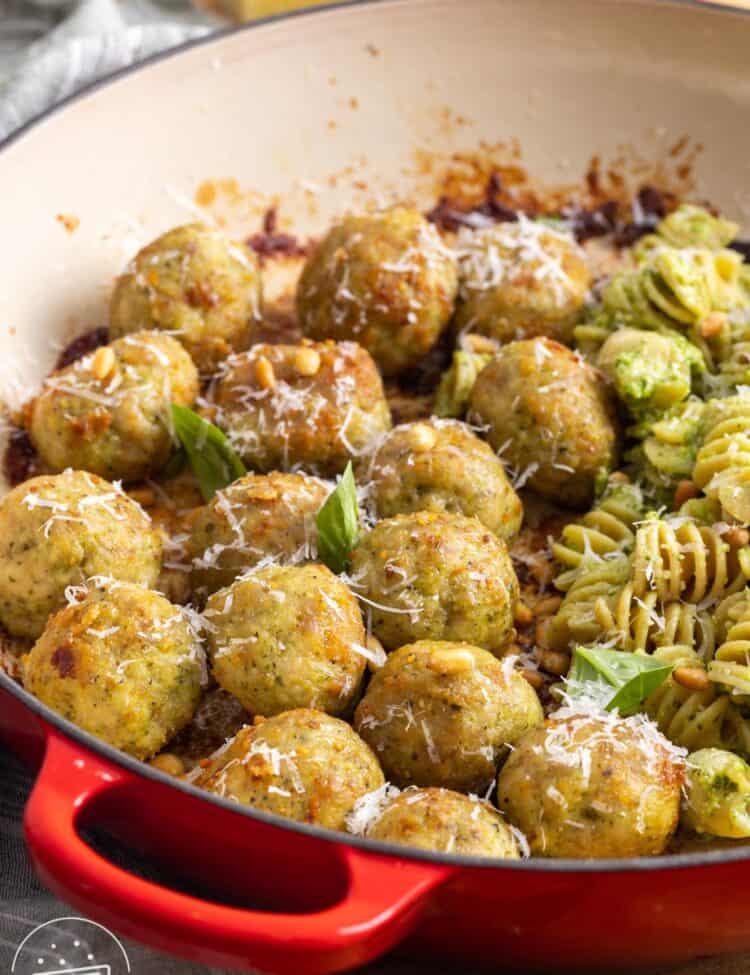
(341, 904)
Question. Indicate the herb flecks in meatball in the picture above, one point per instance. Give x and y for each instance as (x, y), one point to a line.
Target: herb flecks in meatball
(196, 285)
(257, 517)
(312, 406)
(593, 785)
(441, 714)
(302, 764)
(123, 663)
(440, 465)
(109, 412)
(58, 531)
(446, 822)
(386, 281)
(519, 280)
(550, 416)
(436, 576)
(285, 637)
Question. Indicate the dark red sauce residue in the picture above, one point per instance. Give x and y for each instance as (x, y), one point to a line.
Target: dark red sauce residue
(81, 346)
(498, 205)
(270, 242)
(21, 460)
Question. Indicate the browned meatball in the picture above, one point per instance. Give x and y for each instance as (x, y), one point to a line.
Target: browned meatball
(550, 416)
(311, 405)
(441, 713)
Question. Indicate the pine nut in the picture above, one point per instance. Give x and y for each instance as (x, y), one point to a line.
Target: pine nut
(684, 491)
(422, 438)
(451, 661)
(541, 631)
(103, 362)
(737, 537)
(533, 677)
(554, 662)
(712, 324)
(692, 677)
(169, 763)
(307, 361)
(548, 606)
(264, 373)
(619, 477)
(143, 496)
(523, 615)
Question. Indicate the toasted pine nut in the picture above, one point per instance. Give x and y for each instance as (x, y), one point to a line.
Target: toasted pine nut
(264, 373)
(523, 615)
(451, 661)
(422, 438)
(103, 362)
(548, 606)
(692, 677)
(684, 491)
(541, 630)
(169, 763)
(712, 324)
(554, 662)
(143, 496)
(737, 536)
(533, 677)
(307, 361)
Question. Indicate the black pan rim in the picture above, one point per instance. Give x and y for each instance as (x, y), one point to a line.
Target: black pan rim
(677, 861)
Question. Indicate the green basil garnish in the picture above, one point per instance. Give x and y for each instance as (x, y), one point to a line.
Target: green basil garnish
(211, 457)
(631, 677)
(338, 523)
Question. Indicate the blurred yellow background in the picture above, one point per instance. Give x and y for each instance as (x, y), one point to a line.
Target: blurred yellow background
(252, 9)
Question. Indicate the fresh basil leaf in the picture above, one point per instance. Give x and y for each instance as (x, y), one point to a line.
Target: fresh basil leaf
(626, 678)
(212, 459)
(338, 523)
(175, 465)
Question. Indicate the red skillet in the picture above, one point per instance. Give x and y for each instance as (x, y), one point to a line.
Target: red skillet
(331, 109)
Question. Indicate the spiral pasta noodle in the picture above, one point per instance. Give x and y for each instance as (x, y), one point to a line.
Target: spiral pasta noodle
(681, 559)
(583, 615)
(689, 226)
(694, 719)
(602, 533)
(734, 371)
(731, 665)
(722, 464)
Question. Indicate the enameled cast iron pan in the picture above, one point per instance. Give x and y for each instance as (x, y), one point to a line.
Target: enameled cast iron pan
(329, 110)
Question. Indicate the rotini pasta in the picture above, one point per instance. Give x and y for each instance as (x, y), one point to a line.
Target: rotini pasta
(605, 532)
(690, 718)
(667, 451)
(722, 464)
(582, 616)
(734, 371)
(689, 226)
(679, 559)
(731, 665)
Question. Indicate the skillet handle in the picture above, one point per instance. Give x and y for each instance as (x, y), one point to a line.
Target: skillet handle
(379, 908)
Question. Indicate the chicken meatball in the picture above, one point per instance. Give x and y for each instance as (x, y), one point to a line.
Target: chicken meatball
(520, 280)
(446, 822)
(312, 405)
(287, 637)
(59, 530)
(436, 576)
(196, 285)
(302, 764)
(441, 714)
(123, 663)
(386, 280)
(109, 412)
(592, 786)
(256, 517)
(550, 415)
(440, 465)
